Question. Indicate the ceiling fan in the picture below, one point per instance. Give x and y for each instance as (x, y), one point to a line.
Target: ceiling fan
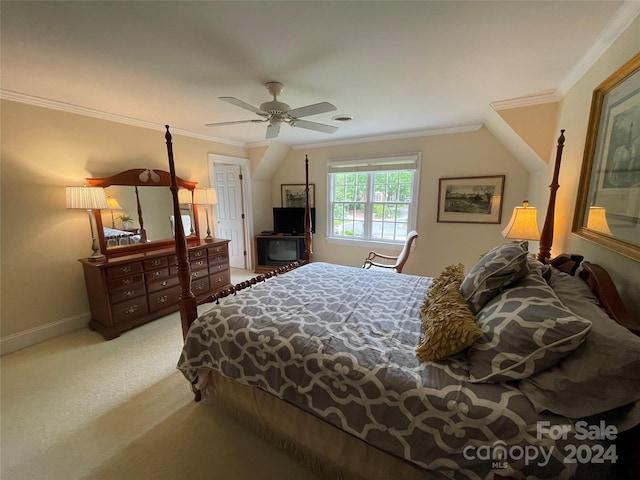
(277, 113)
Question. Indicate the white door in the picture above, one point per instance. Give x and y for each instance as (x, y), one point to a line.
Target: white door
(230, 212)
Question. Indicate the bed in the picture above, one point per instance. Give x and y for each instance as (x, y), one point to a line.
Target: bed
(114, 237)
(492, 373)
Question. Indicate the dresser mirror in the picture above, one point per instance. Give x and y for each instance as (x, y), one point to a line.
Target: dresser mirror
(141, 217)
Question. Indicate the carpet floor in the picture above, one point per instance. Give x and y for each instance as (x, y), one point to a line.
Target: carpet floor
(79, 407)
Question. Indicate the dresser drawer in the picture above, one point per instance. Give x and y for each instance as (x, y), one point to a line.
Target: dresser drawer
(199, 273)
(218, 267)
(196, 254)
(126, 281)
(156, 274)
(164, 298)
(219, 250)
(126, 293)
(154, 263)
(123, 270)
(161, 284)
(219, 280)
(198, 264)
(130, 309)
(200, 286)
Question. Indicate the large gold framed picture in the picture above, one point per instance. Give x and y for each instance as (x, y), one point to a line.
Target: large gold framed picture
(608, 204)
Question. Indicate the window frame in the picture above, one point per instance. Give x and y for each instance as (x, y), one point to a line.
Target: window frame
(371, 164)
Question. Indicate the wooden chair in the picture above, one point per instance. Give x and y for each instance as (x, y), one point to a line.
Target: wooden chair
(394, 264)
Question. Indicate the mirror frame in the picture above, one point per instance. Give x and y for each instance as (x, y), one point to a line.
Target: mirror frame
(156, 178)
(593, 160)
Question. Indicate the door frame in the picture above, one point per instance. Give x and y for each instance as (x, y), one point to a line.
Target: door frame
(247, 204)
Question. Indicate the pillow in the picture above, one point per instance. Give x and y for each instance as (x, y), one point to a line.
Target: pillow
(447, 323)
(610, 355)
(496, 270)
(450, 277)
(526, 329)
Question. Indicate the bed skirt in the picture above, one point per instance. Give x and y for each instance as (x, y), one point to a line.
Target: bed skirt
(328, 451)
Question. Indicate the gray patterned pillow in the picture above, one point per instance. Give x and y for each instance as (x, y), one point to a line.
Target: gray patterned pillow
(526, 329)
(495, 271)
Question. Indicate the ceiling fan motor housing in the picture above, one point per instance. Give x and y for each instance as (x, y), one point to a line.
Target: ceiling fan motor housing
(275, 107)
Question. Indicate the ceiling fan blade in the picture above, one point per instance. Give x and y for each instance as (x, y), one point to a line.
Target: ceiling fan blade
(319, 127)
(241, 104)
(314, 109)
(232, 123)
(272, 131)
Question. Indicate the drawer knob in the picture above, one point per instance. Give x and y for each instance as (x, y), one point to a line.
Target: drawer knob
(125, 269)
(162, 299)
(127, 281)
(164, 283)
(129, 293)
(131, 309)
(157, 273)
(156, 262)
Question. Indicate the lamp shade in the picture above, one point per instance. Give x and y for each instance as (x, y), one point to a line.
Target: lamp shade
(205, 196)
(185, 197)
(523, 224)
(113, 204)
(597, 220)
(87, 198)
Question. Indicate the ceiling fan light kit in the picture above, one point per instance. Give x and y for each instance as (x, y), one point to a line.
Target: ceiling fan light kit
(277, 113)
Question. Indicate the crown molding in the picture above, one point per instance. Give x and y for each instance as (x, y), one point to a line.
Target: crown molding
(112, 117)
(539, 99)
(392, 136)
(625, 16)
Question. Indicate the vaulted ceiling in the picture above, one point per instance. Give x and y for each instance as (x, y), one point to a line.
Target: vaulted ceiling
(399, 68)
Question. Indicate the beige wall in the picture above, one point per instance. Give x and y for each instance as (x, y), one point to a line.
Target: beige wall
(574, 117)
(43, 151)
(440, 244)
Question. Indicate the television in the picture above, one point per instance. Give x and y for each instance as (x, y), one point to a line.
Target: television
(279, 250)
(290, 220)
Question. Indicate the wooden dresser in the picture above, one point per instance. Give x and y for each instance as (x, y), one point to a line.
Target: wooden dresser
(131, 290)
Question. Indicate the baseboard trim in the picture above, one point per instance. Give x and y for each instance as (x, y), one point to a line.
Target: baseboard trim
(18, 341)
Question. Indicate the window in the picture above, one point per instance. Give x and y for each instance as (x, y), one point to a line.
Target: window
(373, 199)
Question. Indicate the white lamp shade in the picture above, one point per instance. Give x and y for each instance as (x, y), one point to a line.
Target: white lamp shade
(523, 224)
(597, 220)
(205, 196)
(113, 204)
(184, 196)
(87, 198)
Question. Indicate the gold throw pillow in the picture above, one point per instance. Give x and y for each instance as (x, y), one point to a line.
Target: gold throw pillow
(447, 322)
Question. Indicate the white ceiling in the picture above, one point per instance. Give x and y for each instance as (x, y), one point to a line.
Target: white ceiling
(398, 67)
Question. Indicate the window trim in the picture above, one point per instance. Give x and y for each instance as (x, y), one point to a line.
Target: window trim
(373, 163)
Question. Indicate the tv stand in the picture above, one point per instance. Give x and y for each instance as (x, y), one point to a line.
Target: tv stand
(263, 264)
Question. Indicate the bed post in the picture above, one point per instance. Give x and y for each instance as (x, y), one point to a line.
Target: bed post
(546, 238)
(187, 301)
(308, 239)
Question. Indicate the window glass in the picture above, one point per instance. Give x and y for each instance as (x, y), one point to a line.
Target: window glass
(373, 199)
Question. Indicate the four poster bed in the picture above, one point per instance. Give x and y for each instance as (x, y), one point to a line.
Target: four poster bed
(329, 362)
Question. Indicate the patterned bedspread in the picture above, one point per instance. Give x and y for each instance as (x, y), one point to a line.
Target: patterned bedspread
(339, 342)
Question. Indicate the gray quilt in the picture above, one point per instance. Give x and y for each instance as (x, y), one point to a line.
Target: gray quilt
(339, 342)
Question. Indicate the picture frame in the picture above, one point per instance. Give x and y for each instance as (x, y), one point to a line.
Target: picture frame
(607, 210)
(470, 199)
(293, 195)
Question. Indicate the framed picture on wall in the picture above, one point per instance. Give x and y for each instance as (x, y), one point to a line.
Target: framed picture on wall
(294, 195)
(470, 199)
(608, 205)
